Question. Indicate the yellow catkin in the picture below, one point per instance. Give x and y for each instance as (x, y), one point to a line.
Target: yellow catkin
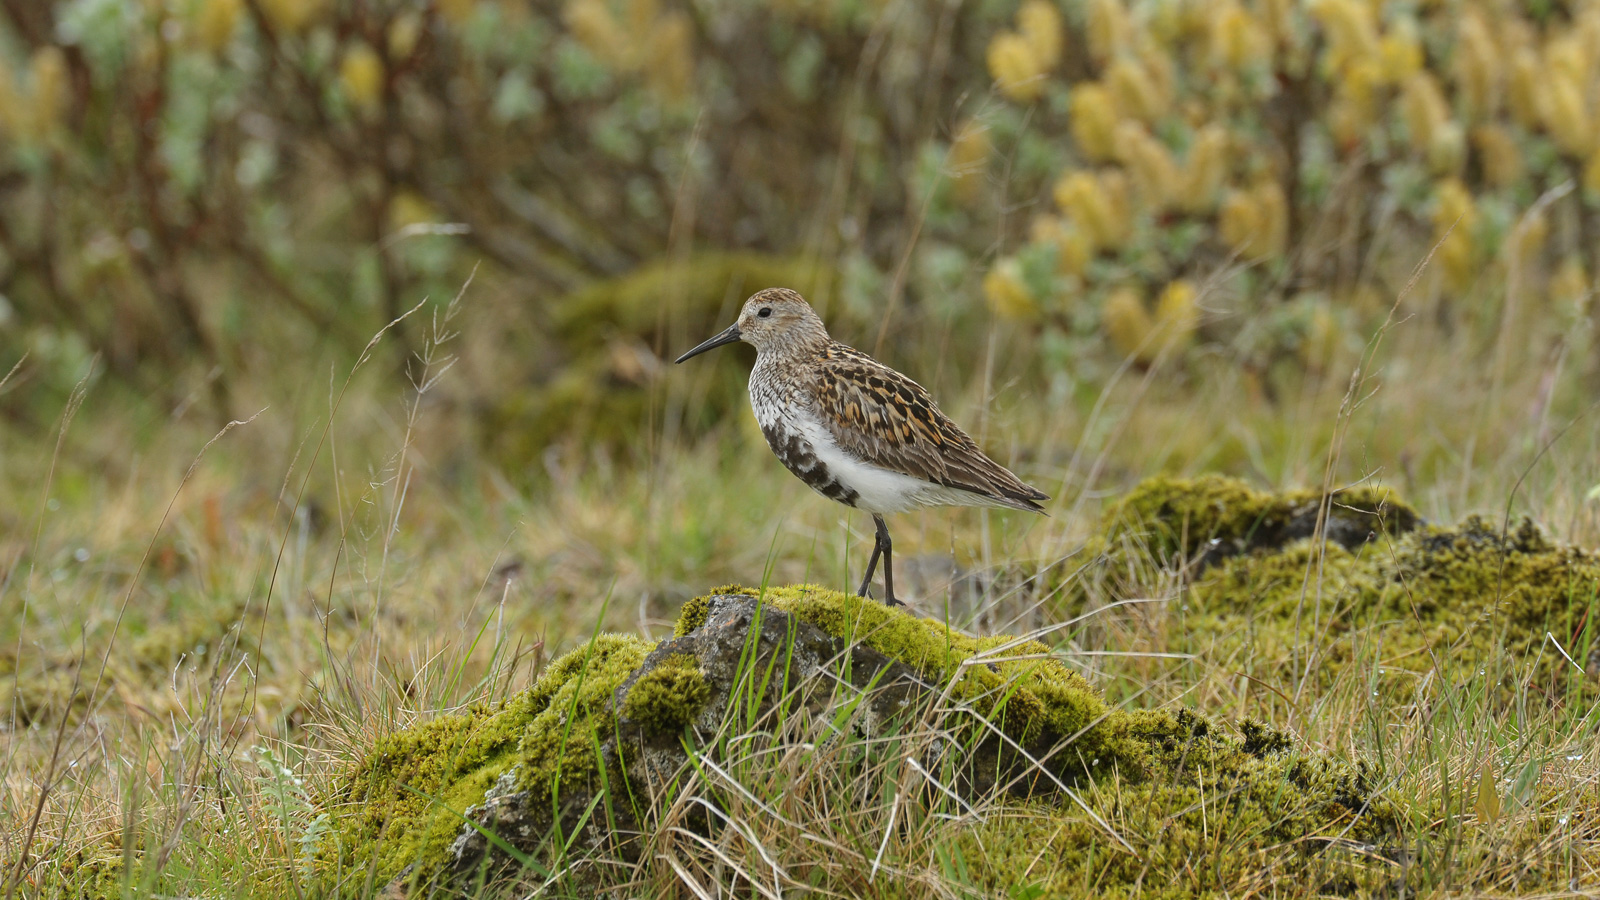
(1454, 217)
(1177, 315)
(1205, 170)
(1040, 23)
(1094, 121)
(1006, 293)
(47, 79)
(592, 24)
(1355, 106)
(456, 12)
(1149, 166)
(1238, 41)
(1453, 207)
(1078, 195)
(1108, 29)
(404, 32)
(1239, 220)
(1524, 91)
(1014, 68)
(1097, 204)
(292, 16)
(1457, 259)
(1566, 114)
(1127, 324)
(1477, 66)
(216, 21)
(1499, 154)
(1567, 54)
(670, 59)
(361, 76)
(1424, 109)
(1255, 222)
(1135, 91)
(1399, 56)
(1350, 29)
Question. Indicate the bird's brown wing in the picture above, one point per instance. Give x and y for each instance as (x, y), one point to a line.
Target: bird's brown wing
(888, 420)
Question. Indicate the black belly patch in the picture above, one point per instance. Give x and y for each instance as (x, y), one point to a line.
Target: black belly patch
(799, 457)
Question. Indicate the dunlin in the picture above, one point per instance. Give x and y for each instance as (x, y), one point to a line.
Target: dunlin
(855, 430)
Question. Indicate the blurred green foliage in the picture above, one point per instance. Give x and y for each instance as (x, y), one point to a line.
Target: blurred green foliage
(198, 190)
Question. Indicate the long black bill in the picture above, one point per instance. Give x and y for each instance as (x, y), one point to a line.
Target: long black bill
(726, 337)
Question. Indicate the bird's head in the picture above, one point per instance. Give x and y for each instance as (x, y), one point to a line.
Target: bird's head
(774, 320)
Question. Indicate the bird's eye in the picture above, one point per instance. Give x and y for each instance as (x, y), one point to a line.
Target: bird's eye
(765, 312)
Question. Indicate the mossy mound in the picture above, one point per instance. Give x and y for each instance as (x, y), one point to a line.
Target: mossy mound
(402, 805)
(1213, 517)
(1402, 596)
(1218, 818)
(578, 759)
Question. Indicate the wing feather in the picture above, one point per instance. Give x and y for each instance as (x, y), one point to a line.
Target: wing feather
(887, 420)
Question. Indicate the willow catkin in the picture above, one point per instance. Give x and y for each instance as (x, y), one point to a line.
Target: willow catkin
(216, 21)
(1093, 123)
(1007, 294)
(1177, 314)
(1108, 29)
(1205, 170)
(1128, 324)
(1039, 22)
(1014, 68)
(361, 75)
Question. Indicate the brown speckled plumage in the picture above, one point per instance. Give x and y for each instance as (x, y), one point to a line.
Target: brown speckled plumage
(884, 418)
(855, 430)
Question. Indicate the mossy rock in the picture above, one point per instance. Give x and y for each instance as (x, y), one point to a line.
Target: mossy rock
(1212, 517)
(1401, 595)
(578, 761)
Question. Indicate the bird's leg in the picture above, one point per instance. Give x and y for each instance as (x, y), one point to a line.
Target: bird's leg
(872, 566)
(888, 561)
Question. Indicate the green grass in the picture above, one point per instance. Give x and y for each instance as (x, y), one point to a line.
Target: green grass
(196, 645)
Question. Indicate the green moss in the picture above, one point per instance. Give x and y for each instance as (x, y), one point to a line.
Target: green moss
(1218, 811)
(669, 696)
(1163, 517)
(1017, 685)
(1414, 598)
(400, 803)
(558, 747)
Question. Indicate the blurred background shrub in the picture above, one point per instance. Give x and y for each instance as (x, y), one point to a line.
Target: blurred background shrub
(206, 191)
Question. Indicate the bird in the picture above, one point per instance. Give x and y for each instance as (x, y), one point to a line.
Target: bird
(856, 431)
